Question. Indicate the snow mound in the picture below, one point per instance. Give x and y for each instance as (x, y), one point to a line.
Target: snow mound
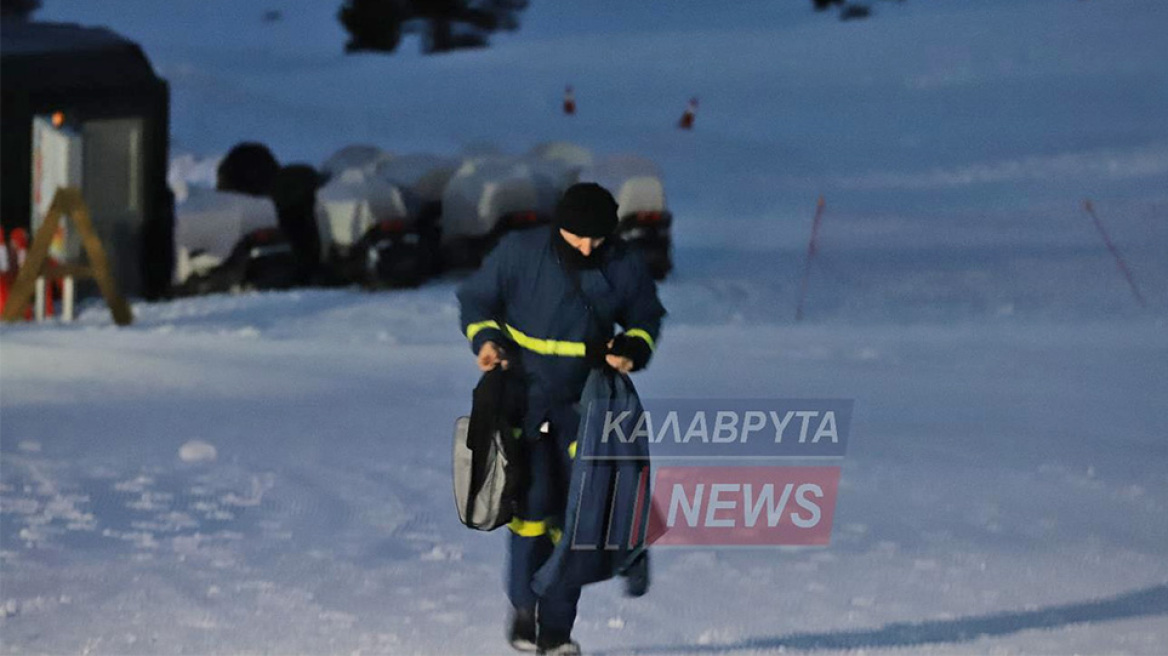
(198, 451)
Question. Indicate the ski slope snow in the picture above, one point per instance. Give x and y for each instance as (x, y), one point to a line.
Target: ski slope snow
(269, 472)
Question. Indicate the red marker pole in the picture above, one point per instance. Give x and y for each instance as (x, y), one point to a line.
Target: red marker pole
(1119, 261)
(4, 282)
(812, 247)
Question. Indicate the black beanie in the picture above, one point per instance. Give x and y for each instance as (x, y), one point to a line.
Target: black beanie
(588, 210)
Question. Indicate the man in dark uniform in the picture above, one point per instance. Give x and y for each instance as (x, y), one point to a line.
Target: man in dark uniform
(545, 301)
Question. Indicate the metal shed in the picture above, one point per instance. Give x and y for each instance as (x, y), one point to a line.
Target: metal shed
(83, 107)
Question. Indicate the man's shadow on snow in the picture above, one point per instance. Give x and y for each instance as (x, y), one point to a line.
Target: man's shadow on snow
(1140, 603)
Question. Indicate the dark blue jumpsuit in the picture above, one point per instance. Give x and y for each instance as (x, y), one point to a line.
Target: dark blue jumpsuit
(523, 298)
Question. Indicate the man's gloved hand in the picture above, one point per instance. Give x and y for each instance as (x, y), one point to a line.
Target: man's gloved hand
(595, 354)
(618, 362)
(599, 354)
(627, 354)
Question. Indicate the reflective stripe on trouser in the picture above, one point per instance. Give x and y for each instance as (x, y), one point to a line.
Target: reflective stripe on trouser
(530, 540)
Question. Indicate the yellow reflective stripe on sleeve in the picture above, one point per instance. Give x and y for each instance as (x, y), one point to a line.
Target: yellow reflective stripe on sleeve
(643, 334)
(572, 449)
(474, 328)
(527, 528)
(546, 346)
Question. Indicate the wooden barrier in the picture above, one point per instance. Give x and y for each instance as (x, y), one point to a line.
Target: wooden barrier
(66, 203)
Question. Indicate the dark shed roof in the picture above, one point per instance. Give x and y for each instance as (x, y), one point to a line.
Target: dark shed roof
(64, 56)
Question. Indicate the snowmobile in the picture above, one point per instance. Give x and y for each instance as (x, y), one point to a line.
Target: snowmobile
(262, 260)
(228, 241)
(369, 234)
(563, 159)
(650, 233)
(489, 197)
(365, 157)
(392, 253)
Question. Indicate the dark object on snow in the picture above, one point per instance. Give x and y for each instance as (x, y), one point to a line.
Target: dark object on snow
(294, 193)
(262, 260)
(855, 12)
(249, 168)
(273, 16)
(108, 101)
(823, 5)
(445, 25)
(488, 454)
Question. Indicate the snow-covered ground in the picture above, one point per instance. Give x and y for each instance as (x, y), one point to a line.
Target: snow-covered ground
(269, 473)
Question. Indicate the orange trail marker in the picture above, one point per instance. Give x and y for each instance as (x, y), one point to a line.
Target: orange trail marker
(687, 118)
(1119, 261)
(569, 101)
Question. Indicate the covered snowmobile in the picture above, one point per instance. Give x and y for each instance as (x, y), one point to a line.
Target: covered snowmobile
(424, 176)
(570, 154)
(227, 241)
(562, 160)
(363, 157)
(368, 232)
(490, 196)
(645, 221)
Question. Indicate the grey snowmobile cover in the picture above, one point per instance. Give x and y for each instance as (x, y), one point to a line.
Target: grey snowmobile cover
(488, 467)
(607, 516)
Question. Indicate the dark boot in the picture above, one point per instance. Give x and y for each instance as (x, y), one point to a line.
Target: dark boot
(521, 631)
(637, 576)
(557, 643)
